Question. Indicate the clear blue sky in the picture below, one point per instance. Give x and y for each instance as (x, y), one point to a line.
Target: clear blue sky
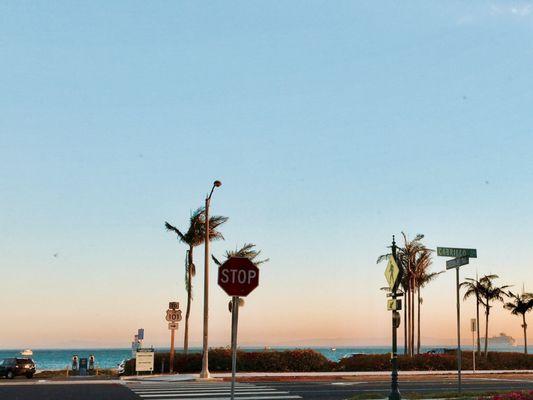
(332, 125)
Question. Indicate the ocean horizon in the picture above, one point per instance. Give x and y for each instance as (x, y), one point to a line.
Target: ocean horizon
(57, 358)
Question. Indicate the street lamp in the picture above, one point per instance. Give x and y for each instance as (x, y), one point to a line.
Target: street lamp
(205, 359)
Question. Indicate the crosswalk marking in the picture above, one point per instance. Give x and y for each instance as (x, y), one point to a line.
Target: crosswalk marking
(208, 391)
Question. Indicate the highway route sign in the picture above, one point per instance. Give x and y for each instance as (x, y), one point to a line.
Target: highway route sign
(173, 305)
(173, 315)
(173, 325)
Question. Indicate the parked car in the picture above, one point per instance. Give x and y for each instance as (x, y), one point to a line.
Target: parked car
(121, 367)
(11, 367)
(349, 355)
(440, 351)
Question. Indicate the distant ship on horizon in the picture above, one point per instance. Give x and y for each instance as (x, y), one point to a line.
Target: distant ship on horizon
(500, 342)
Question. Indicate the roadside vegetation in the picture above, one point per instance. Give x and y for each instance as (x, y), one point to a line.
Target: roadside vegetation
(416, 260)
(492, 395)
(312, 361)
(62, 374)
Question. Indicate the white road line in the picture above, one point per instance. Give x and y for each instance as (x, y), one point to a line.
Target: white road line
(189, 386)
(246, 398)
(202, 390)
(207, 391)
(203, 394)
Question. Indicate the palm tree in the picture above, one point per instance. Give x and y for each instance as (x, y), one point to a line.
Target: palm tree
(405, 286)
(473, 288)
(490, 292)
(407, 257)
(248, 251)
(422, 278)
(520, 305)
(195, 236)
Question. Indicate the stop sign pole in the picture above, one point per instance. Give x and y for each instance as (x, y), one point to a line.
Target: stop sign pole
(238, 277)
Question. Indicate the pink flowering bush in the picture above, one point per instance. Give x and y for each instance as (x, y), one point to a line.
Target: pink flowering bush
(527, 395)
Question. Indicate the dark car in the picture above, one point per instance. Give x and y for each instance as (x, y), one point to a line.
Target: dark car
(11, 367)
(441, 350)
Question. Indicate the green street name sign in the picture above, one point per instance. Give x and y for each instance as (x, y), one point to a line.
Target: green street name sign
(455, 252)
(457, 262)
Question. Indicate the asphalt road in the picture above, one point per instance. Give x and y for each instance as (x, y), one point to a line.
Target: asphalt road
(344, 390)
(43, 391)
(338, 390)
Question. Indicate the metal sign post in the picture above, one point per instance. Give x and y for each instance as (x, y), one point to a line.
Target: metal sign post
(473, 328)
(459, 355)
(393, 275)
(173, 317)
(234, 324)
(238, 276)
(462, 258)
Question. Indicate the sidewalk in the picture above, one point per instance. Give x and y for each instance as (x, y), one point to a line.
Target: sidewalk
(222, 375)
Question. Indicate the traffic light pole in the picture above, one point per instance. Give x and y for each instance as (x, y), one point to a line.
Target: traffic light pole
(395, 392)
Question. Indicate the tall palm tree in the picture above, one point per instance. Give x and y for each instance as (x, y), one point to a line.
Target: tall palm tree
(490, 292)
(194, 236)
(520, 305)
(473, 289)
(422, 277)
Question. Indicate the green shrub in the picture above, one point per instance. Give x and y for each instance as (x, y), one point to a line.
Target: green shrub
(437, 362)
(247, 361)
(312, 361)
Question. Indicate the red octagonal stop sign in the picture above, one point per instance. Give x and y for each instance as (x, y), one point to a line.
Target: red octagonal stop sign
(238, 276)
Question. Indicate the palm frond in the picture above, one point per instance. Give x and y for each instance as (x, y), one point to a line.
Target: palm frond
(248, 251)
(172, 228)
(383, 257)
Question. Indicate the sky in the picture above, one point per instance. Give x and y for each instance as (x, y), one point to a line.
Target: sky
(332, 126)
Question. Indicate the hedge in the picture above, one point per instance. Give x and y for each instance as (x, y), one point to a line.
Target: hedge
(437, 362)
(253, 361)
(312, 361)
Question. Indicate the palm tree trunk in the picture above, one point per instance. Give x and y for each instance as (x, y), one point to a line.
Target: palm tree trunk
(477, 327)
(525, 333)
(418, 323)
(413, 319)
(409, 321)
(487, 328)
(405, 322)
(189, 298)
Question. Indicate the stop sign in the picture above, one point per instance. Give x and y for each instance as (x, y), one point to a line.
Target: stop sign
(238, 276)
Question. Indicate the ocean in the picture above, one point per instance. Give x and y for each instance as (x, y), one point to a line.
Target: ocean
(56, 359)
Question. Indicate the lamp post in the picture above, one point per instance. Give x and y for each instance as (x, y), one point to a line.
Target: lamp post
(204, 374)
